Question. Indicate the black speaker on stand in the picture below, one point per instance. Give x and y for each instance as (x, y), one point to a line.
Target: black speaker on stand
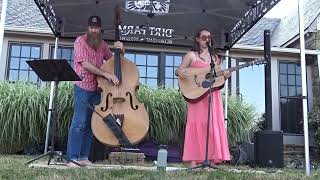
(268, 148)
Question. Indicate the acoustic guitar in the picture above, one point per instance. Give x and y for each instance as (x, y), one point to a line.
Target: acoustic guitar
(197, 85)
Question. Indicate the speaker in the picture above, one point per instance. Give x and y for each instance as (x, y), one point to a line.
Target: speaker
(268, 148)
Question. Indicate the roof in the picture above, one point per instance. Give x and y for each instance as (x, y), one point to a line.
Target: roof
(24, 14)
(255, 36)
(289, 25)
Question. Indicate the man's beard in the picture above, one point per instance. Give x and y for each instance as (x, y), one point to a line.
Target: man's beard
(94, 40)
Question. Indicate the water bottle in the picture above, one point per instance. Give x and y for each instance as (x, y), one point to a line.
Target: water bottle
(162, 158)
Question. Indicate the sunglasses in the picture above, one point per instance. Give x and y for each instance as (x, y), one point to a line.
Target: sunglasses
(205, 37)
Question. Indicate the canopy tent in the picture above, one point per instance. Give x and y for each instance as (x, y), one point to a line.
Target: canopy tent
(158, 21)
(171, 22)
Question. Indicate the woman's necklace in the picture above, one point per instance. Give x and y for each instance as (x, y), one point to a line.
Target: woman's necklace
(203, 59)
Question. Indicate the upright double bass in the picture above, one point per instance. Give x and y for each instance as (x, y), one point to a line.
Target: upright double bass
(119, 101)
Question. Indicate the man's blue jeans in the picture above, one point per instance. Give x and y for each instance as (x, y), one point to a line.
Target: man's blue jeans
(80, 133)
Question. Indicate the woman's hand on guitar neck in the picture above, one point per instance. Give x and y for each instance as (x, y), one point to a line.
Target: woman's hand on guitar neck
(111, 77)
(226, 74)
(183, 73)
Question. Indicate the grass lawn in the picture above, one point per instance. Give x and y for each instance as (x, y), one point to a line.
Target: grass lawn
(12, 167)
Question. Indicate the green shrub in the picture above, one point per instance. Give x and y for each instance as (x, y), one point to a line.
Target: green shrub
(242, 121)
(24, 111)
(167, 112)
(314, 121)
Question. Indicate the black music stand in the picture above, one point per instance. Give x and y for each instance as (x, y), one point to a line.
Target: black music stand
(55, 70)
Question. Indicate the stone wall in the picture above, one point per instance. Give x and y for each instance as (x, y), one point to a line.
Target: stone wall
(294, 155)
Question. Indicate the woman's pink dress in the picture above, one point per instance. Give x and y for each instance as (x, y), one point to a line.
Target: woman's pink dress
(196, 129)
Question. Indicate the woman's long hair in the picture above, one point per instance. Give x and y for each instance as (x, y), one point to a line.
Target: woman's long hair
(196, 46)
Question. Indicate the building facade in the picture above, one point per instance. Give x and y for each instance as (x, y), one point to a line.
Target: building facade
(27, 36)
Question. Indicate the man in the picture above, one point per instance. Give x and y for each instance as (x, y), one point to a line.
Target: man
(89, 52)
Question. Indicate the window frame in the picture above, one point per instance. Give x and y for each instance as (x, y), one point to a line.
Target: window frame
(158, 54)
(288, 98)
(9, 56)
(51, 51)
(173, 66)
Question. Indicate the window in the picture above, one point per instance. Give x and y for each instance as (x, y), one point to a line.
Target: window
(63, 52)
(290, 101)
(19, 54)
(172, 62)
(147, 64)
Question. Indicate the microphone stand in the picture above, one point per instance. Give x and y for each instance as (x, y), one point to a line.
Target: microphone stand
(206, 162)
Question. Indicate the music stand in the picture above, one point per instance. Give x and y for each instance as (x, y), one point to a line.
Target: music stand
(55, 70)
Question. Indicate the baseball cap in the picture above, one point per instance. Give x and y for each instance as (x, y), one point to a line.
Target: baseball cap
(94, 21)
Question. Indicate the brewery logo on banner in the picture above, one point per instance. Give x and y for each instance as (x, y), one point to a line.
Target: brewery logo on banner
(147, 33)
(144, 6)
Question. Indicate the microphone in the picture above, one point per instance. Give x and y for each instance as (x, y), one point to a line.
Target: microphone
(212, 65)
(210, 47)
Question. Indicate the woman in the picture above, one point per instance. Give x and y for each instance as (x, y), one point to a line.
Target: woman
(196, 128)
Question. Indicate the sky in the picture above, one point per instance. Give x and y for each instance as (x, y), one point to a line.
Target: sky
(251, 87)
(283, 8)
